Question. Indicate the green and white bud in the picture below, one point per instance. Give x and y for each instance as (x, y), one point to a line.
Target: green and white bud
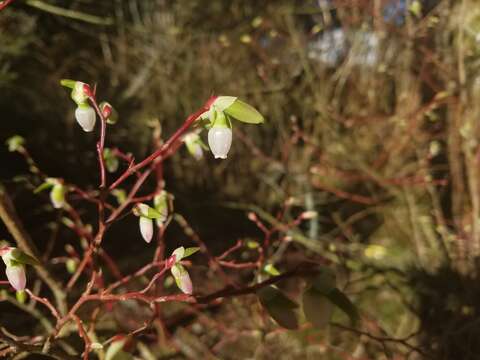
(194, 145)
(57, 196)
(80, 92)
(220, 137)
(160, 202)
(182, 278)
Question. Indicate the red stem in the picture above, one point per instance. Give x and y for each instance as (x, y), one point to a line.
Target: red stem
(4, 4)
(164, 149)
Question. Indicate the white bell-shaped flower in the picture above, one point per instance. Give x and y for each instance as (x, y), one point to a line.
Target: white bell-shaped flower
(16, 276)
(146, 228)
(220, 141)
(86, 117)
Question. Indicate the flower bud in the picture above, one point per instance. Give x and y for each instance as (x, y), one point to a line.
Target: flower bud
(57, 196)
(85, 116)
(80, 92)
(16, 276)
(182, 278)
(161, 205)
(146, 228)
(194, 145)
(220, 140)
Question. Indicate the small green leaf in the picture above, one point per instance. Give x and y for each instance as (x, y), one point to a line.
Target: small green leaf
(178, 252)
(111, 161)
(120, 195)
(68, 83)
(270, 269)
(146, 211)
(278, 306)
(245, 113)
(317, 308)
(22, 258)
(14, 143)
(340, 300)
(223, 102)
(46, 185)
(190, 251)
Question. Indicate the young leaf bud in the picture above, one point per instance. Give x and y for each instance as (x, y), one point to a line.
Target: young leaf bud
(86, 117)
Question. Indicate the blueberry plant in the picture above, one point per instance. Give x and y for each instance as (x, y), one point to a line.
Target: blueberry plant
(154, 211)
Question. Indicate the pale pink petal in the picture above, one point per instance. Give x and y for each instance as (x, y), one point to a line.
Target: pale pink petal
(16, 276)
(146, 228)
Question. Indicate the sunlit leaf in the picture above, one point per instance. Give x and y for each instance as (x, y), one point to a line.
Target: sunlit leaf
(272, 270)
(223, 102)
(190, 251)
(245, 113)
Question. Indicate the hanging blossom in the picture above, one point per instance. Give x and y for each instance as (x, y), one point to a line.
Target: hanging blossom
(146, 216)
(219, 115)
(15, 261)
(179, 273)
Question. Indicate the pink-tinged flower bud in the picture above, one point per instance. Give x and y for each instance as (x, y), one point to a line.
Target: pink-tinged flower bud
(182, 278)
(146, 228)
(220, 140)
(16, 276)
(85, 116)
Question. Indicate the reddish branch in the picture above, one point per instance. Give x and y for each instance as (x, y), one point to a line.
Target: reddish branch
(4, 4)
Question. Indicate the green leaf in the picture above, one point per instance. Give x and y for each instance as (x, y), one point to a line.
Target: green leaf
(317, 308)
(14, 143)
(190, 251)
(270, 269)
(147, 211)
(178, 252)
(23, 258)
(278, 306)
(223, 102)
(46, 185)
(340, 300)
(111, 161)
(68, 83)
(245, 113)
(120, 195)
